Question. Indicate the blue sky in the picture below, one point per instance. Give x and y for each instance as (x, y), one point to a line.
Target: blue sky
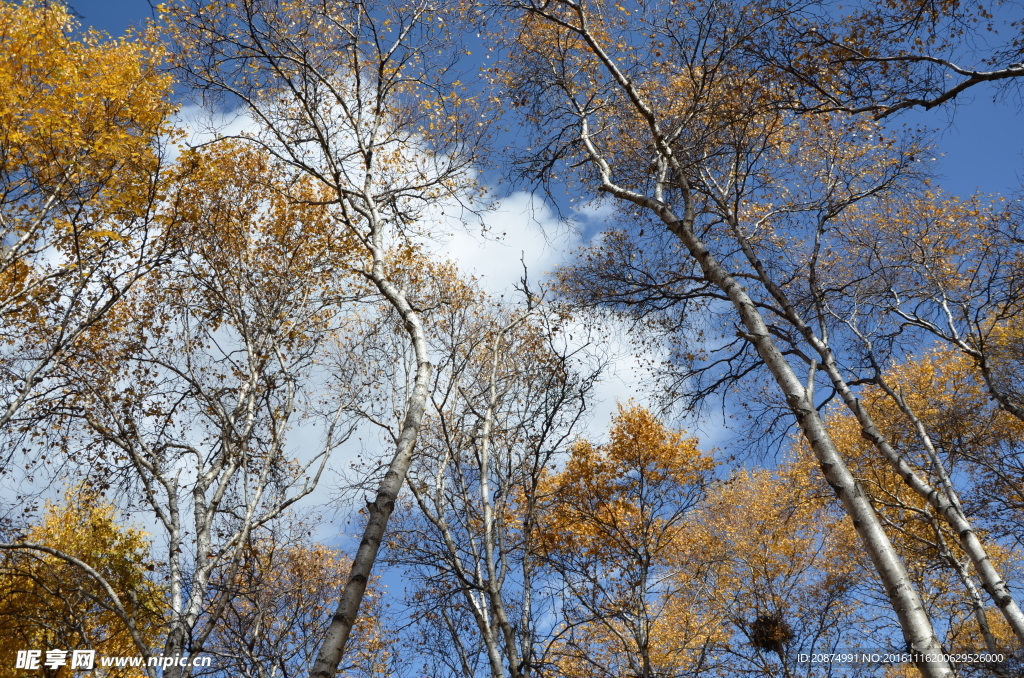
(113, 16)
(979, 147)
(982, 143)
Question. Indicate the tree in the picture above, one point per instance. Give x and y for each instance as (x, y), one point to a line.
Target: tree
(899, 273)
(361, 99)
(612, 524)
(884, 58)
(83, 187)
(279, 608)
(661, 111)
(929, 263)
(508, 393)
(964, 436)
(187, 403)
(50, 601)
(948, 268)
(666, 573)
(770, 563)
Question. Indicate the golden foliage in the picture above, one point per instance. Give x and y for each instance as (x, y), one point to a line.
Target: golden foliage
(283, 598)
(83, 124)
(250, 227)
(82, 121)
(776, 563)
(972, 439)
(48, 603)
(609, 499)
(611, 525)
(80, 118)
(944, 390)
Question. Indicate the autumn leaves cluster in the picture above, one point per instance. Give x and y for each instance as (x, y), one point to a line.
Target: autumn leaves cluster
(199, 320)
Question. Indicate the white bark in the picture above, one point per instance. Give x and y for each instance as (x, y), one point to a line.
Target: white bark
(379, 511)
(945, 502)
(917, 628)
(481, 583)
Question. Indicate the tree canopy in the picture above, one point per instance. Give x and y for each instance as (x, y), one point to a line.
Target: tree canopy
(230, 303)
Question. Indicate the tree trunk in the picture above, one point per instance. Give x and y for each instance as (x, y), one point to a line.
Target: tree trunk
(380, 510)
(917, 628)
(946, 503)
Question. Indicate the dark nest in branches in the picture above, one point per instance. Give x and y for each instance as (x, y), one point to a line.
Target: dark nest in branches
(770, 632)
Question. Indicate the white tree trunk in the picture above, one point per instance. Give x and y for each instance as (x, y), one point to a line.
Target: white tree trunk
(379, 510)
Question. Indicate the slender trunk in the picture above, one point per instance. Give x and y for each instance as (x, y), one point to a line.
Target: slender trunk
(944, 503)
(494, 652)
(526, 614)
(977, 604)
(379, 510)
(917, 629)
(949, 507)
(175, 646)
(473, 585)
(494, 593)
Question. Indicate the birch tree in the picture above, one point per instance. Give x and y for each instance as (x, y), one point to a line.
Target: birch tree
(711, 169)
(509, 392)
(280, 605)
(361, 99)
(50, 597)
(612, 525)
(83, 186)
(952, 431)
(867, 301)
(187, 403)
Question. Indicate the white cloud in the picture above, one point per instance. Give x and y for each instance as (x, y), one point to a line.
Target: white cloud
(201, 126)
(493, 245)
(520, 229)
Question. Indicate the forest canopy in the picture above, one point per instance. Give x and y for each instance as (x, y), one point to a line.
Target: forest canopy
(232, 306)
